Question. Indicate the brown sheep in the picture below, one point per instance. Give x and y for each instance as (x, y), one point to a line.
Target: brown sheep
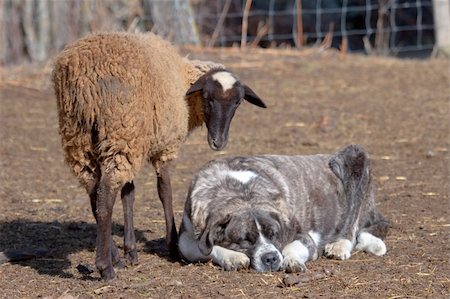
(124, 98)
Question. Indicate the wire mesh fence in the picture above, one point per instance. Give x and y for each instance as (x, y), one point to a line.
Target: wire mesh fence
(401, 25)
(34, 30)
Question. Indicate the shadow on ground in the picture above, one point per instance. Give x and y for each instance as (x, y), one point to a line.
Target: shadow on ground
(46, 246)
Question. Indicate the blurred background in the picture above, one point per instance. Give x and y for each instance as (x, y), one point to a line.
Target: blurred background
(329, 73)
(34, 30)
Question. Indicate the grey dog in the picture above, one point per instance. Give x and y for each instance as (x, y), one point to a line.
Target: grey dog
(278, 212)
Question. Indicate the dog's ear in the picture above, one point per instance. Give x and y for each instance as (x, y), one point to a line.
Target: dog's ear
(211, 234)
(205, 243)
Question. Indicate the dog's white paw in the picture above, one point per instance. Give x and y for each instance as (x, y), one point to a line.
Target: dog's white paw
(292, 265)
(341, 249)
(295, 255)
(378, 249)
(236, 261)
(369, 243)
(230, 260)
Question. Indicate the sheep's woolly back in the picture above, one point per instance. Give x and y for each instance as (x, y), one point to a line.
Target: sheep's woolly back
(120, 98)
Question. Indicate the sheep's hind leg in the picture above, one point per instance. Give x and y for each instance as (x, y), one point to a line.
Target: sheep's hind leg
(105, 248)
(129, 239)
(90, 180)
(114, 251)
(165, 195)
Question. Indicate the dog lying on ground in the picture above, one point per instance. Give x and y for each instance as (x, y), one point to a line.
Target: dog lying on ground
(278, 212)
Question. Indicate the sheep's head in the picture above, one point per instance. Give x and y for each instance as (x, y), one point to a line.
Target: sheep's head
(222, 93)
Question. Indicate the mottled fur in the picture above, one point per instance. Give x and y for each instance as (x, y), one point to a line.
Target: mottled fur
(302, 205)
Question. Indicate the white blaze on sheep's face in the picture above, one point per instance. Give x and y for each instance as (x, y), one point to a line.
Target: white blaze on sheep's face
(242, 176)
(225, 79)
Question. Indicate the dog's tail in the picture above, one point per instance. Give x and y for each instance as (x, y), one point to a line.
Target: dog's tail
(352, 166)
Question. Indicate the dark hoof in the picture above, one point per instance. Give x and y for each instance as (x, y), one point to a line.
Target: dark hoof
(174, 253)
(119, 265)
(131, 257)
(115, 255)
(85, 269)
(108, 274)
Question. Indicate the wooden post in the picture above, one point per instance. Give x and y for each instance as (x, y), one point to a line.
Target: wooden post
(3, 45)
(43, 31)
(299, 24)
(174, 20)
(382, 34)
(248, 4)
(441, 11)
(219, 25)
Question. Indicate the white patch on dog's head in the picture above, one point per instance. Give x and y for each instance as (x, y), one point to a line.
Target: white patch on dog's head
(210, 177)
(264, 248)
(225, 79)
(243, 176)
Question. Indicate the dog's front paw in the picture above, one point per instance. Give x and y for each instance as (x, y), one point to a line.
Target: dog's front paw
(341, 249)
(236, 262)
(230, 260)
(292, 265)
(295, 255)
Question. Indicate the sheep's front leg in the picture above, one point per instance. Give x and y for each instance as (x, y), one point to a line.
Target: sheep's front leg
(129, 238)
(105, 202)
(165, 195)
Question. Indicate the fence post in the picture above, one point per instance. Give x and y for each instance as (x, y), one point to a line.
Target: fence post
(441, 12)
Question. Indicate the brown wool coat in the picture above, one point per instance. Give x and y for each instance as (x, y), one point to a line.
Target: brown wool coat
(121, 100)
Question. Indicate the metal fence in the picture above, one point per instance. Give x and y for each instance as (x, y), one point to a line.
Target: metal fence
(405, 25)
(34, 30)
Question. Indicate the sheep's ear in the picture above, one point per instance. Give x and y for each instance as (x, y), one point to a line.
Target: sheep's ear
(197, 86)
(252, 97)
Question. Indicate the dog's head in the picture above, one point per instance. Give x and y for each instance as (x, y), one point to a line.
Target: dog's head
(259, 233)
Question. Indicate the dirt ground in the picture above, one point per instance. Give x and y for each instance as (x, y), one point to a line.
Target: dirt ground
(318, 102)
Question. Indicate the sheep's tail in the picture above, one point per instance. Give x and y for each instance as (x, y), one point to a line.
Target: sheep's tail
(75, 96)
(77, 125)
